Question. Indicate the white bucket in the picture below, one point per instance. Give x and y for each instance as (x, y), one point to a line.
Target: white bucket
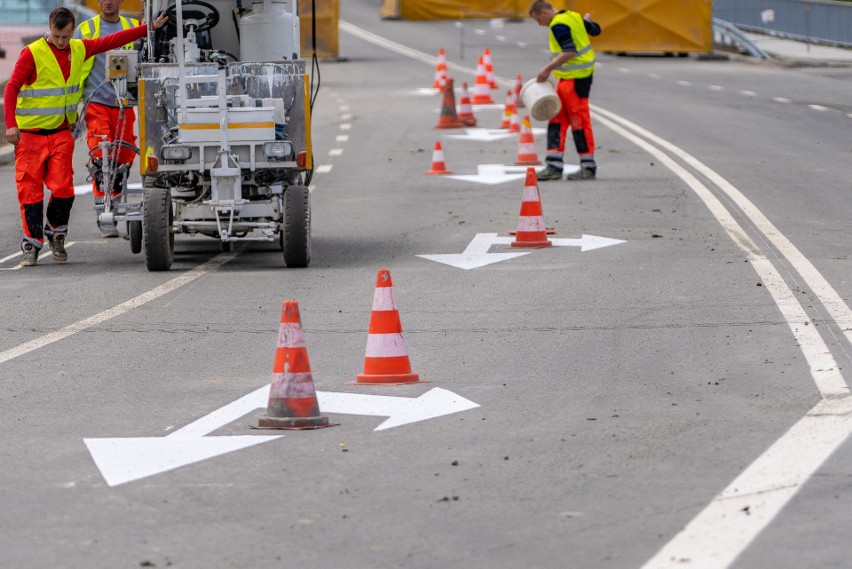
(541, 99)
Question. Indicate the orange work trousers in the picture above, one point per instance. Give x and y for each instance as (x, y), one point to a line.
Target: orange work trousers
(574, 95)
(115, 124)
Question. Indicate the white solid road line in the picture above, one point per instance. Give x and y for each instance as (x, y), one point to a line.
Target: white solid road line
(723, 530)
(19, 253)
(118, 310)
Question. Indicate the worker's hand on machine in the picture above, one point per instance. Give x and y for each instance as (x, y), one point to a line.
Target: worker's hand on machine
(13, 135)
(161, 20)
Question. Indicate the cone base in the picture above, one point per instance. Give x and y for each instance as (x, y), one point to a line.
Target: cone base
(293, 423)
(531, 244)
(547, 231)
(450, 125)
(482, 101)
(469, 122)
(528, 163)
(388, 379)
(432, 172)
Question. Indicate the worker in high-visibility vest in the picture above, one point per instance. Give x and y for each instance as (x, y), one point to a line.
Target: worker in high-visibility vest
(573, 64)
(40, 107)
(104, 116)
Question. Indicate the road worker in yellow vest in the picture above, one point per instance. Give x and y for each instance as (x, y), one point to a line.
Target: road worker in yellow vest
(572, 64)
(40, 106)
(104, 116)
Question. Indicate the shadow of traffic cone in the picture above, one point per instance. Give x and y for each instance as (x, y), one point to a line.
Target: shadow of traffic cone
(489, 68)
(449, 118)
(526, 146)
(518, 86)
(438, 166)
(514, 120)
(481, 89)
(292, 398)
(466, 115)
(440, 70)
(531, 232)
(386, 360)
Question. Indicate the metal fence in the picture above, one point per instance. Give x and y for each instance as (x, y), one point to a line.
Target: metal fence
(817, 21)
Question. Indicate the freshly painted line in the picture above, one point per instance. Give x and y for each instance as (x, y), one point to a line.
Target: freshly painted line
(684, 83)
(342, 137)
(781, 100)
(716, 88)
(118, 310)
(481, 134)
(500, 38)
(20, 253)
(818, 107)
(492, 174)
(324, 169)
(476, 254)
(343, 108)
(749, 93)
(335, 152)
(345, 126)
(521, 44)
(346, 117)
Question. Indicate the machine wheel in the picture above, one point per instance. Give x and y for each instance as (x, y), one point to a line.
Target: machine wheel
(134, 231)
(157, 219)
(296, 235)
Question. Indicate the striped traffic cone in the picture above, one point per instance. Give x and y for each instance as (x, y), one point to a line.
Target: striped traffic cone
(507, 111)
(481, 89)
(438, 166)
(489, 68)
(386, 360)
(526, 146)
(531, 232)
(449, 118)
(514, 120)
(518, 86)
(292, 398)
(465, 114)
(440, 70)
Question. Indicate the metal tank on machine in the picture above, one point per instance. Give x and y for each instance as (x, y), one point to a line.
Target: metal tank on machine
(270, 32)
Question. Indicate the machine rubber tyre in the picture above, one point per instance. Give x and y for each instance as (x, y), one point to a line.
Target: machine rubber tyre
(134, 231)
(157, 219)
(296, 235)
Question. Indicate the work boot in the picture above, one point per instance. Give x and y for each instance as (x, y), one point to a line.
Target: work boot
(581, 174)
(549, 173)
(57, 245)
(30, 257)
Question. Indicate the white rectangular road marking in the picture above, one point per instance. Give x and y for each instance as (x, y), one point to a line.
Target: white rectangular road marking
(324, 169)
(335, 152)
(345, 126)
(343, 108)
(342, 138)
(818, 107)
(346, 117)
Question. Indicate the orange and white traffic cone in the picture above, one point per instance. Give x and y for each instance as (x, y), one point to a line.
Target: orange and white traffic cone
(465, 108)
(481, 89)
(514, 120)
(438, 166)
(292, 398)
(449, 118)
(518, 86)
(440, 70)
(507, 111)
(531, 231)
(526, 146)
(386, 361)
(489, 68)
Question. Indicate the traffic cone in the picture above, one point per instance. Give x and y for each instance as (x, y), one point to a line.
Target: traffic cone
(481, 89)
(531, 231)
(489, 68)
(526, 146)
(438, 166)
(440, 70)
(449, 118)
(386, 360)
(514, 120)
(507, 111)
(465, 109)
(292, 398)
(518, 85)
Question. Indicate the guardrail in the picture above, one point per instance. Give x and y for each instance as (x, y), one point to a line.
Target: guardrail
(813, 21)
(728, 35)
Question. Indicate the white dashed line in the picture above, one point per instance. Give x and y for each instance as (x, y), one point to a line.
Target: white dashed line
(342, 138)
(500, 38)
(346, 117)
(653, 76)
(335, 152)
(684, 83)
(818, 107)
(521, 44)
(324, 169)
(479, 32)
(345, 126)
(45, 251)
(343, 108)
(781, 100)
(623, 70)
(716, 88)
(749, 93)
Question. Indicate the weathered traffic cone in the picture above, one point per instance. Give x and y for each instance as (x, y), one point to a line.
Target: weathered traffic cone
(449, 118)
(292, 398)
(465, 114)
(531, 231)
(438, 166)
(386, 360)
(507, 111)
(526, 146)
(481, 89)
(489, 68)
(514, 120)
(518, 86)
(440, 70)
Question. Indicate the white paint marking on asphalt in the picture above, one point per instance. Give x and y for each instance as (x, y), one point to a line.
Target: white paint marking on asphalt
(818, 107)
(324, 169)
(335, 152)
(345, 126)
(118, 310)
(479, 31)
(623, 70)
(653, 76)
(716, 88)
(346, 117)
(749, 93)
(521, 44)
(684, 83)
(343, 108)
(312, 187)
(18, 267)
(342, 138)
(500, 38)
(482, 134)
(781, 100)
(492, 174)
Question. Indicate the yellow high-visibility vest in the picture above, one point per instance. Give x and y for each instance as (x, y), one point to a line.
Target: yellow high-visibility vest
(51, 99)
(91, 29)
(582, 64)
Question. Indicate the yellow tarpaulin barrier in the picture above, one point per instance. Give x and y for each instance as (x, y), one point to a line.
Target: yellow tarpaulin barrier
(328, 16)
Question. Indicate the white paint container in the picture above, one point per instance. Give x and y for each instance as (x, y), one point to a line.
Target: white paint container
(540, 99)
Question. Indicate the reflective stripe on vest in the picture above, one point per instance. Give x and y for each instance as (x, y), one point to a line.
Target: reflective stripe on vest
(52, 99)
(583, 62)
(91, 29)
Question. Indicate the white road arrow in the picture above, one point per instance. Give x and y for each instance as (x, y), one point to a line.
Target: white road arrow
(123, 460)
(476, 253)
(493, 174)
(482, 134)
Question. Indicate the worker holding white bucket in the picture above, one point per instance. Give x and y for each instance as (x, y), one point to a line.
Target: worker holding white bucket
(572, 64)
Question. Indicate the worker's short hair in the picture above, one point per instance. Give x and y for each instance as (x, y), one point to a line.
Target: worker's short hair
(60, 18)
(540, 6)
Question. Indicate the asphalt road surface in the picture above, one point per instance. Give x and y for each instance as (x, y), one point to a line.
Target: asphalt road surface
(675, 399)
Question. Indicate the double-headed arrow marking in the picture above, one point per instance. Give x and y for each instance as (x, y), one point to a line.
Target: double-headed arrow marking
(122, 460)
(476, 253)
